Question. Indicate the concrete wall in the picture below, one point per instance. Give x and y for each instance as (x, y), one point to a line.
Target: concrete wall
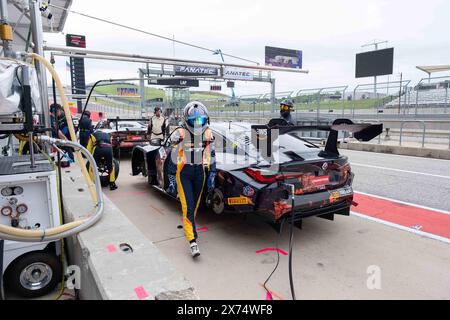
(107, 272)
(405, 151)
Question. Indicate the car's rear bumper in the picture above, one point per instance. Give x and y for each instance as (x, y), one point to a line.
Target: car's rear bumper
(132, 144)
(308, 205)
(342, 208)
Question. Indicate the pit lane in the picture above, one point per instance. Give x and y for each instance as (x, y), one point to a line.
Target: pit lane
(331, 259)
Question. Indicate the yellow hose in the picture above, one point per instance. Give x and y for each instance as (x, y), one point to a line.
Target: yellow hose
(61, 229)
(40, 233)
(73, 136)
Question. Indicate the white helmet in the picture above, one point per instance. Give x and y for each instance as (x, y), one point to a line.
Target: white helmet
(196, 118)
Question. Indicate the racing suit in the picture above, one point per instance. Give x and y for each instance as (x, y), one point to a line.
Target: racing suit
(192, 165)
(100, 147)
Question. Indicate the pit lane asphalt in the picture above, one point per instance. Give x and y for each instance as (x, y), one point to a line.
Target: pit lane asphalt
(331, 259)
(420, 181)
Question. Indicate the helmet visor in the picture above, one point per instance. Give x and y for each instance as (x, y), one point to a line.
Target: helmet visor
(285, 107)
(198, 121)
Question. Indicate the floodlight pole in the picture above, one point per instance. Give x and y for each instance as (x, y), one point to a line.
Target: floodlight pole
(142, 92)
(375, 44)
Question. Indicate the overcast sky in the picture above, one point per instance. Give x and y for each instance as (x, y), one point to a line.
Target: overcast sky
(330, 33)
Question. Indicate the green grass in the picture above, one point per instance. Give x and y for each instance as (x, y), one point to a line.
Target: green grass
(150, 93)
(205, 95)
(153, 93)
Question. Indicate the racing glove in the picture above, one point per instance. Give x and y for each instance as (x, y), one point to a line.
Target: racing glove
(211, 182)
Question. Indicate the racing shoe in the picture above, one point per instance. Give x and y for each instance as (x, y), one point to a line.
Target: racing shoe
(195, 250)
(113, 186)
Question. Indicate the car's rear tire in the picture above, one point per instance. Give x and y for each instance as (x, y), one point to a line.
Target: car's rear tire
(217, 202)
(34, 275)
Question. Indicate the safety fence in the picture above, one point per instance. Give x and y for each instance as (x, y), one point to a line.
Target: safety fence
(428, 99)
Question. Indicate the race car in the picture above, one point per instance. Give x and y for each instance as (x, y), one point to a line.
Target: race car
(126, 133)
(269, 170)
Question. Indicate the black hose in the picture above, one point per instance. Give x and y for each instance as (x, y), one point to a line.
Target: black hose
(89, 98)
(291, 240)
(2, 247)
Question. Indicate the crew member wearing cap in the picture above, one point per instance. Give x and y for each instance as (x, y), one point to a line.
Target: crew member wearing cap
(286, 108)
(157, 126)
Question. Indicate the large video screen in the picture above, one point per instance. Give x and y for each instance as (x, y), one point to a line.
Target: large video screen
(375, 63)
(286, 58)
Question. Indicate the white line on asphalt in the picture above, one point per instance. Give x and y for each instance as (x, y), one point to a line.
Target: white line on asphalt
(397, 226)
(398, 170)
(403, 202)
(398, 155)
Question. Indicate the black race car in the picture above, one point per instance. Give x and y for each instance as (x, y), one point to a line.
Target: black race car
(259, 168)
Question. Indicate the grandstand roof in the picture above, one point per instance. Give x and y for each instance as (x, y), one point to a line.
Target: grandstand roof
(433, 69)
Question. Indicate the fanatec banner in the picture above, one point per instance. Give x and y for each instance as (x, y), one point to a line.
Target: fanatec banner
(237, 74)
(196, 71)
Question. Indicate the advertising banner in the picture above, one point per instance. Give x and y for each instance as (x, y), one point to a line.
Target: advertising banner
(128, 92)
(196, 71)
(237, 74)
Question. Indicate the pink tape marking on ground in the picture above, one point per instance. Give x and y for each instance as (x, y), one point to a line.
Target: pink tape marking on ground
(111, 248)
(141, 293)
(272, 249)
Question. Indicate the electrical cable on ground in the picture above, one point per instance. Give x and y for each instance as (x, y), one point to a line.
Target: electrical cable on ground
(150, 33)
(278, 258)
(291, 239)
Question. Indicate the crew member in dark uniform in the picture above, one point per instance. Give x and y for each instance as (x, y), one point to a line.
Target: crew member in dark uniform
(286, 108)
(85, 128)
(63, 130)
(99, 145)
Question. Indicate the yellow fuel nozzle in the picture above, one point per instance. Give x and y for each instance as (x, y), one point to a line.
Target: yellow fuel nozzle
(6, 32)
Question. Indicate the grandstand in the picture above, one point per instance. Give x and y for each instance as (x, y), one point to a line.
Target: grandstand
(425, 95)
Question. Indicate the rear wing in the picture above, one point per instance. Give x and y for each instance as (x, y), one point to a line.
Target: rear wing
(264, 135)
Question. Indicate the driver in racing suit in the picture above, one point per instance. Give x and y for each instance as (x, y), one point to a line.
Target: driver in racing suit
(192, 165)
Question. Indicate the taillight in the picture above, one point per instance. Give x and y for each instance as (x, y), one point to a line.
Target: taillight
(258, 176)
(339, 174)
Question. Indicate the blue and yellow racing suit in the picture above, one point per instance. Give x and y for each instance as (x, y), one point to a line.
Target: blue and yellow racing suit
(193, 165)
